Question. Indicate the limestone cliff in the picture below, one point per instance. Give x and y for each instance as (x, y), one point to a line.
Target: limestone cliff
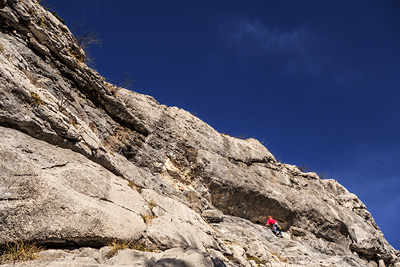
(84, 162)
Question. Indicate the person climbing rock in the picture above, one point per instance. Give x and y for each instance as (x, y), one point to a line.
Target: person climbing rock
(276, 229)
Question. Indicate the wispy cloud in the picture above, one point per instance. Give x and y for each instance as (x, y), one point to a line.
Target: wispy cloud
(255, 37)
(292, 49)
(296, 50)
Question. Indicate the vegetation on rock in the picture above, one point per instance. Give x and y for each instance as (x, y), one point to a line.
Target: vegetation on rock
(36, 99)
(19, 251)
(58, 17)
(118, 245)
(69, 166)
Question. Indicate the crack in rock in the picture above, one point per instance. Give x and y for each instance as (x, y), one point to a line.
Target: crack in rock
(25, 174)
(110, 201)
(55, 166)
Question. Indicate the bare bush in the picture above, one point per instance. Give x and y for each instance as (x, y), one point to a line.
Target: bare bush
(85, 37)
(127, 81)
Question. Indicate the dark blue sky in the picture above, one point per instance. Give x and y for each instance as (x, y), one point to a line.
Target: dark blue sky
(318, 82)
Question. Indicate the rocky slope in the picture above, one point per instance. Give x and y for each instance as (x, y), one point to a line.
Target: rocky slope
(84, 162)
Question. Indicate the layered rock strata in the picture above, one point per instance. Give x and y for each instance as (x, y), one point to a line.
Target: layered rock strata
(85, 162)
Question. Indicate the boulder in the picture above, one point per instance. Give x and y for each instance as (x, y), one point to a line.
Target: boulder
(58, 197)
(213, 216)
(85, 163)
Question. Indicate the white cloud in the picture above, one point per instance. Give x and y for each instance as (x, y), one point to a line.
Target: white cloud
(296, 50)
(253, 37)
(290, 50)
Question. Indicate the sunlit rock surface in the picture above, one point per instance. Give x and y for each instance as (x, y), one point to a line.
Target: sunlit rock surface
(84, 163)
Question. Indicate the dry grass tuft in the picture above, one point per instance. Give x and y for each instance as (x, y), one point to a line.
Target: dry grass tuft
(113, 88)
(152, 204)
(19, 251)
(132, 185)
(148, 218)
(36, 100)
(117, 245)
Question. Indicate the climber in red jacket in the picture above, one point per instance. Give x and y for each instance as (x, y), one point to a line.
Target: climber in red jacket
(276, 229)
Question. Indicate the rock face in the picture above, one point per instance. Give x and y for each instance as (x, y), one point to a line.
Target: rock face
(84, 162)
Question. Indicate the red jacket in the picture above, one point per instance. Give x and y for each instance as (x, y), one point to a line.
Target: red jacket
(271, 222)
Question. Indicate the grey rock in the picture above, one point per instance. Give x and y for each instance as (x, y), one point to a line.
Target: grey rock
(297, 231)
(213, 216)
(184, 257)
(172, 224)
(58, 196)
(52, 254)
(90, 253)
(174, 257)
(85, 162)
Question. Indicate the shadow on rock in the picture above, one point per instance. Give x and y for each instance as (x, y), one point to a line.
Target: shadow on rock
(218, 263)
(168, 262)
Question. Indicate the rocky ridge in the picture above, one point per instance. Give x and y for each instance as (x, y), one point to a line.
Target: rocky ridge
(85, 162)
